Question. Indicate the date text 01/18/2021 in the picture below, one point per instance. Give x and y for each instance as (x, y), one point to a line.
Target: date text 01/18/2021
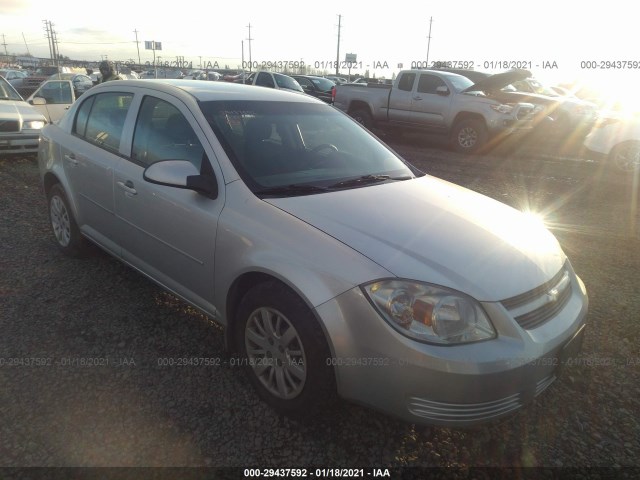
(317, 472)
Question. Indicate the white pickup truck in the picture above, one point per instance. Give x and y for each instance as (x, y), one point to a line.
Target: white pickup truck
(439, 102)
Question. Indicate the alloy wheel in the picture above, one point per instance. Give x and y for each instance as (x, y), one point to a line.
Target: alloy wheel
(275, 353)
(60, 221)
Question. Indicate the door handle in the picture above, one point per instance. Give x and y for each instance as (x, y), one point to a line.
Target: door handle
(128, 187)
(417, 98)
(71, 158)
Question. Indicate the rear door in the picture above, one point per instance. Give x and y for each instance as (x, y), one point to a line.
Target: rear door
(400, 101)
(89, 158)
(168, 233)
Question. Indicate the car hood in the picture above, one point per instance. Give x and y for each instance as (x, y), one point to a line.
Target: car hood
(430, 230)
(539, 99)
(498, 81)
(13, 110)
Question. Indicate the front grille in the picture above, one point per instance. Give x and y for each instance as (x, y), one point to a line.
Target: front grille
(9, 126)
(535, 307)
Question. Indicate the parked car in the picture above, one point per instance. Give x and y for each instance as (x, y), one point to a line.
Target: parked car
(14, 77)
(279, 81)
(237, 78)
(204, 75)
(334, 265)
(437, 102)
(619, 140)
(53, 98)
(318, 87)
(559, 115)
(336, 80)
(20, 123)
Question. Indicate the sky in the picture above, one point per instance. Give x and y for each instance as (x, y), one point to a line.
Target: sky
(574, 40)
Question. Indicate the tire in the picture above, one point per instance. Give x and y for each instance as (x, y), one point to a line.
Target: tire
(363, 117)
(63, 224)
(284, 351)
(626, 156)
(469, 136)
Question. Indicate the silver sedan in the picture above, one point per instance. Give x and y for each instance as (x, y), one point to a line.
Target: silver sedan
(337, 268)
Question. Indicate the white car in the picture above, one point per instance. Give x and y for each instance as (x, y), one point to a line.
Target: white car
(619, 140)
(335, 266)
(53, 98)
(20, 123)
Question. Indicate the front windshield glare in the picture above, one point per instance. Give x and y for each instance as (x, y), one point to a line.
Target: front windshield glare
(279, 144)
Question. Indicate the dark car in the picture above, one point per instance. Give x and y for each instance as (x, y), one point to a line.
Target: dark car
(319, 87)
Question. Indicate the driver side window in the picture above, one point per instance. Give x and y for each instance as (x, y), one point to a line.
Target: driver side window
(163, 133)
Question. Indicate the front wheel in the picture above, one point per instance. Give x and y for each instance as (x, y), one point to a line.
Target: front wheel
(284, 350)
(626, 156)
(469, 136)
(64, 226)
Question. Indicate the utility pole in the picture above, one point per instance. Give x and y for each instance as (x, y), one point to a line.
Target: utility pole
(242, 45)
(25, 44)
(429, 37)
(250, 66)
(338, 53)
(46, 26)
(6, 54)
(137, 46)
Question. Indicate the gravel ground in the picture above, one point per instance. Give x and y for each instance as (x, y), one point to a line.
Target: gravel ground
(129, 411)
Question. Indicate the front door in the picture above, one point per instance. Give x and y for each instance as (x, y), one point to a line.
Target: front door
(168, 233)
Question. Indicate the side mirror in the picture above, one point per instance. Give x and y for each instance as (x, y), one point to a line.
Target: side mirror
(442, 90)
(181, 174)
(38, 101)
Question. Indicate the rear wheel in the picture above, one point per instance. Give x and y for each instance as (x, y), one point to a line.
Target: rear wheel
(363, 117)
(64, 226)
(284, 350)
(469, 136)
(626, 156)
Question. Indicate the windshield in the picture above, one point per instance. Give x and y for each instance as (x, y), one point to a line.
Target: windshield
(7, 92)
(287, 144)
(534, 86)
(323, 84)
(284, 81)
(459, 82)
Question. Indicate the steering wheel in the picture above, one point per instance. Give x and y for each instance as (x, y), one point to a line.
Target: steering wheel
(322, 154)
(330, 147)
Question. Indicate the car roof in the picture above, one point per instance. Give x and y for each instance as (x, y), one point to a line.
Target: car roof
(209, 91)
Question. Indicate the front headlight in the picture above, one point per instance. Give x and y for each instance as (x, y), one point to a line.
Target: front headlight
(33, 125)
(429, 313)
(503, 108)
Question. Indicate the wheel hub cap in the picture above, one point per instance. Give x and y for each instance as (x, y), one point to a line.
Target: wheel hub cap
(60, 221)
(275, 353)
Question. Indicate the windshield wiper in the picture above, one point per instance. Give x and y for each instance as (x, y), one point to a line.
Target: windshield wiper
(291, 190)
(367, 180)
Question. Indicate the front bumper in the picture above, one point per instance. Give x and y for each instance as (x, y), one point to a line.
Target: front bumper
(19, 143)
(459, 385)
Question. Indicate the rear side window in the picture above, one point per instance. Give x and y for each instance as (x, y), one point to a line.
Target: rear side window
(100, 119)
